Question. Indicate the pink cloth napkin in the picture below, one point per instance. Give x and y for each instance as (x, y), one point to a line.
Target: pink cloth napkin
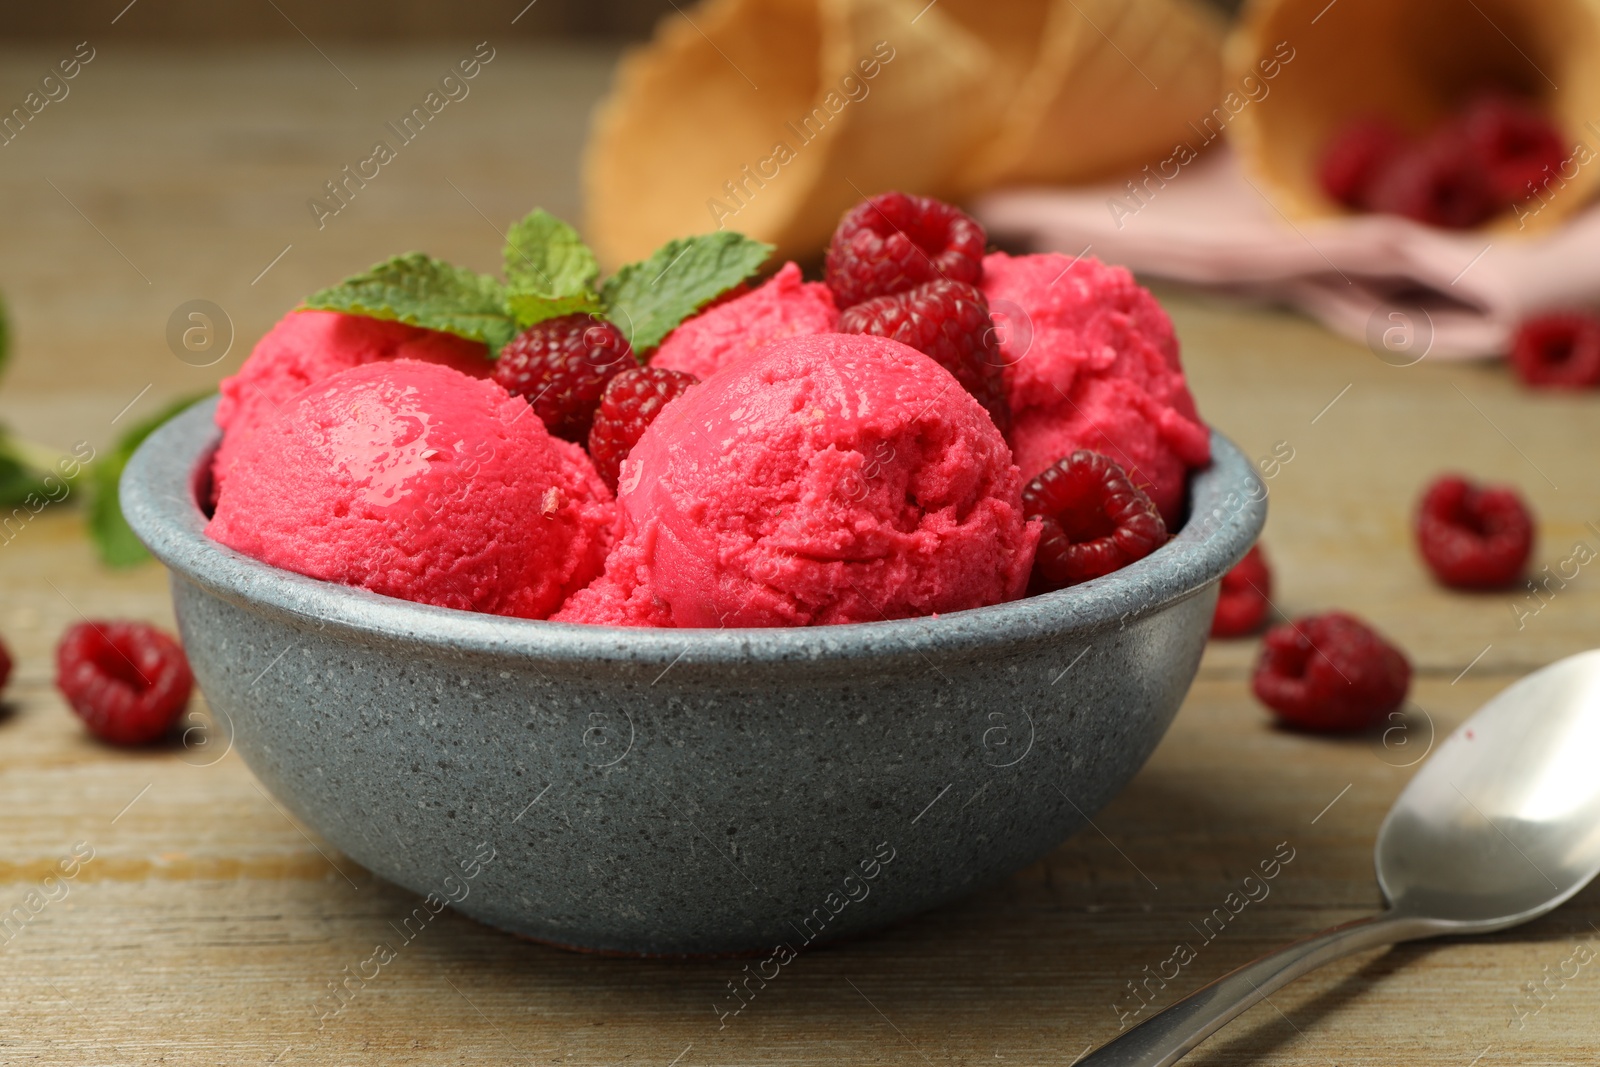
(1379, 279)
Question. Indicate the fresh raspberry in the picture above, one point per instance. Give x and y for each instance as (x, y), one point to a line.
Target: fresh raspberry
(630, 404)
(948, 321)
(5, 664)
(1354, 158)
(1515, 143)
(127, 681)
(1473, 537)
(1558, 351)
(562, 366)
(1330, 673)
(1438, 182)
(892, 242)
(1245, 599)
(1095, 520)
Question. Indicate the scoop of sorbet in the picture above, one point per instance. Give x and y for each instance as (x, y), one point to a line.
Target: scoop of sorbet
(727, 332)
(1092, 362)
(825, 479)
(307, 346)
(413, 480)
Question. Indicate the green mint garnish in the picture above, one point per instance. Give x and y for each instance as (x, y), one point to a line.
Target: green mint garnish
(530, 308)
(647, 299)
(112, 537)
(549, 270)
(22, 470)
(423, 291)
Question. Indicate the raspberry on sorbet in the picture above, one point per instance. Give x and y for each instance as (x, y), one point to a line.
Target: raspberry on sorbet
(562, 366)
(894, 241)
(949, 322)
(629, 405)
(1095, 520)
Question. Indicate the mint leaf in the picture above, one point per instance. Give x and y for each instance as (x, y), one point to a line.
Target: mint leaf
(30, 470)
(423, 291)
(549, 270)
(647, 299)
(545, 255)
(108, 530)
(528, 307)
(32, 477)
(20, 473)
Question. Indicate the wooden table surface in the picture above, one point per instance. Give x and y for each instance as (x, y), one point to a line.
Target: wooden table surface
(207, 922)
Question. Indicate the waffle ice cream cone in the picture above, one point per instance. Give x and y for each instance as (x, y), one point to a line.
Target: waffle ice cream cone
(772, 117)
(1413, 62)
(1096, 84)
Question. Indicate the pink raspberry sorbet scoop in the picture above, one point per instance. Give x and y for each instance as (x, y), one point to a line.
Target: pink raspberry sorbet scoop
(415, 481)
(825, 479)
(307, 346)
(1092, 362)
(727, 332)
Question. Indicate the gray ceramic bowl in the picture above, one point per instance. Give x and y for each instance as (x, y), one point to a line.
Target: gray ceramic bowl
(687, 791)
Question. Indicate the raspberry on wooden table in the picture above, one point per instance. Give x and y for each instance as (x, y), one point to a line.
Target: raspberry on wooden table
(893, 241)
(1095, 520)
(1330, 673)
(1471, 536)
(629, 405)
(1558, 351)
(562, 366)
(127, 681)
(5, 664)
(1245, 599)
(1355, 157)
(949, 322)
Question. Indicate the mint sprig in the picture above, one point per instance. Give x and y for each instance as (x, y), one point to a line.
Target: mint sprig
(34, 476)
(648, 299)
(550, 272)
(112, 536)
(423, 291)
(545, 254)
(23, 467)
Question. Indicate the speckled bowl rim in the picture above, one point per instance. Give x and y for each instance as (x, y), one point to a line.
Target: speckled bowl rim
(158, 494)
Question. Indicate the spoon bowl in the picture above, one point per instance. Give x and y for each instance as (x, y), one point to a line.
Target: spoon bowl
(1500, 826)
(1503, 823)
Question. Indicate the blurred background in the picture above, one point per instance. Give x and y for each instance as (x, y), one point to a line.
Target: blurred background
(363, 20)
(358, 20)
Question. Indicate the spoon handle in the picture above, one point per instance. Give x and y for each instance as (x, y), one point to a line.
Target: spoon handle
(1167, 1036)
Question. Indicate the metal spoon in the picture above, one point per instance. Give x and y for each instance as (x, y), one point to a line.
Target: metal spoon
(1499, 827)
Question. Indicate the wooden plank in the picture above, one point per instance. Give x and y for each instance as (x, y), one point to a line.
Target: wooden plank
(1340, 512)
